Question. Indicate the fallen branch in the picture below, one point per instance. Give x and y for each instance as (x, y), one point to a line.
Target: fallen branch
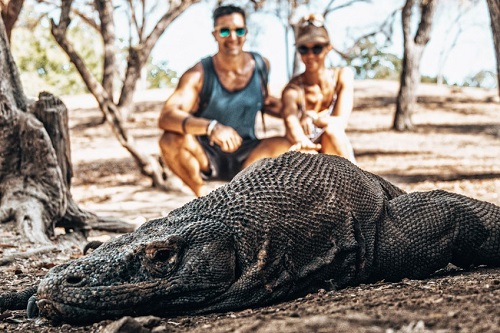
(25, 254)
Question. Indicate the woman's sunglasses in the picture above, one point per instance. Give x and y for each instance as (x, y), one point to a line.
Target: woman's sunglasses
(316, 49)
(225, 32)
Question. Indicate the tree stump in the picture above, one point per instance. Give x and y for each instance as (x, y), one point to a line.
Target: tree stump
(36, 172)
(52, 112)
(35, 162)
(32, 191)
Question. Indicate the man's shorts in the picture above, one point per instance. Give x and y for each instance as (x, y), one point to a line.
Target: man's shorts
(224, 166)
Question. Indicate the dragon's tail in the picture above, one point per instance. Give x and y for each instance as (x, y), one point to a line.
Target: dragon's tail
(424, 231)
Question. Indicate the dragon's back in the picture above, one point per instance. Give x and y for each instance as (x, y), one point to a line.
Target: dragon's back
(301, 207)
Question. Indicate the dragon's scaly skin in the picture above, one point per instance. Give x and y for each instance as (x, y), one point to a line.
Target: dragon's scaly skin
(280, 229)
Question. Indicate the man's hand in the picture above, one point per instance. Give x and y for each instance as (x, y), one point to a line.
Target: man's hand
(226, 138)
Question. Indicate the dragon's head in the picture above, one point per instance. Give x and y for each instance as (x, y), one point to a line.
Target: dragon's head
(161, 268)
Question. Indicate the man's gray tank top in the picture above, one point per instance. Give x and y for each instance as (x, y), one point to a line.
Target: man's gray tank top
(237, 109)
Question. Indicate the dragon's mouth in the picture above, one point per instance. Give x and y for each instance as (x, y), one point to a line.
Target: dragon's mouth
(107, 303)
(74, 314)
(60, 311)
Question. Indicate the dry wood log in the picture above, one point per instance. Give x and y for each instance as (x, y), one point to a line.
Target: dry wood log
(26, 254)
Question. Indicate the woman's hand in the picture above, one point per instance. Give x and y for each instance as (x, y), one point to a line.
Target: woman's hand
(333, 122)
(308, 122)
(306, 146)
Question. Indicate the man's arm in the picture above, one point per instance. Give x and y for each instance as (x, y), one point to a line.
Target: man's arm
(182, 103)
(272, 104)
(176, 113)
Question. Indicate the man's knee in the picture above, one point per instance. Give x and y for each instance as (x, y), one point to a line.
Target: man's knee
(171, 139)
(178, 148)
(170, 145)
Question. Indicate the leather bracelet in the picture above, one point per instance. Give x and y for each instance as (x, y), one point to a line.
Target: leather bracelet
(211, 126)
(184, 121)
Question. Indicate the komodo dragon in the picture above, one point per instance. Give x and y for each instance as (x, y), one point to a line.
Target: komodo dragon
(282, 228)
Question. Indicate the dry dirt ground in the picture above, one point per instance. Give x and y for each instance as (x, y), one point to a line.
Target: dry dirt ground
(456, 147)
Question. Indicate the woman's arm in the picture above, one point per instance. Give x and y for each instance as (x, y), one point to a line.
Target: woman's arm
(344, 103)
(294, 127)
(345, 95)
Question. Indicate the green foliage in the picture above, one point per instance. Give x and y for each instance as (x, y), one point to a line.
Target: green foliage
(160, 76)
(429, 79)
(483, 79)
(370, 61)
(42, 63)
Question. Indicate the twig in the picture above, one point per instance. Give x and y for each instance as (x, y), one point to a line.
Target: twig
(22, 255)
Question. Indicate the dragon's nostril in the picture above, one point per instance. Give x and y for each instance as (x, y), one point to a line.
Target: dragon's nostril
(73, 279)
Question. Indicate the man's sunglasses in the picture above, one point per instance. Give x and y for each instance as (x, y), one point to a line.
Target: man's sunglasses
(316, 49)
(225, 32)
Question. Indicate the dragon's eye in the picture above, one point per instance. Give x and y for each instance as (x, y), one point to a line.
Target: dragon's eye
(161, 257)
(165, 255)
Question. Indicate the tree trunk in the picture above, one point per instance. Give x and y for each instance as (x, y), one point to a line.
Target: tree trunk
(413, 50)
(10, 12)
(407, 96)
(31, 185)
(52, 112)
(105, 10)
(494, 7)
(10, 83)
(116, 113)
(35, 161)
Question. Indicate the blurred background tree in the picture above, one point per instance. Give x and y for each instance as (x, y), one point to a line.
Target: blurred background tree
(111, 65)
(159, 75)
(371, 61)
(40, 60)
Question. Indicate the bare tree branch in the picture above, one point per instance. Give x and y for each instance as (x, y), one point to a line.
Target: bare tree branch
(153, 8)
(10, 13)
(133, 16)
(85, 18)
(65, 19)
(445, 51)
(105, 10)
(386, 28)
(110, 110)
(329, 9)
(139, 55)
(92, 23)
(406, 20)
(494, 8)
(423, 34)
(143, 20)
